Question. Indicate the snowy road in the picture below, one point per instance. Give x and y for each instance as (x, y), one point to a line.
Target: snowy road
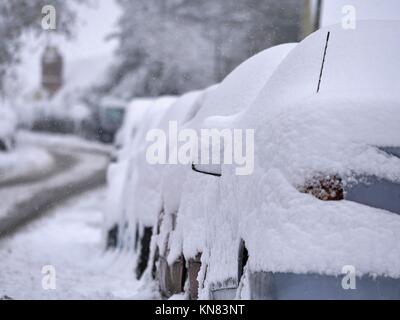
(69, 240)
(74, 167)
(59, 163)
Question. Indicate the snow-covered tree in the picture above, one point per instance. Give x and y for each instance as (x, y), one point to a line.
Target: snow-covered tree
(159, 52)
(172, 46)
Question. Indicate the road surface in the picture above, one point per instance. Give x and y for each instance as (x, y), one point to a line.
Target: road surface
(77, 168)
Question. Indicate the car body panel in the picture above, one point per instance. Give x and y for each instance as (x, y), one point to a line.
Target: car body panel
(193, 273)
(377, 192)
(171, 277)
(289, 286)
(225, 290)
(144, 253)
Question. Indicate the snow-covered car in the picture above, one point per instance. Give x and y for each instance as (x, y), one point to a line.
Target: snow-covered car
(181, 113)
(319, 217)
(121, 175)
(111, 117)
(144, 202)
(8, 127)
(180, 236)
(125, 141)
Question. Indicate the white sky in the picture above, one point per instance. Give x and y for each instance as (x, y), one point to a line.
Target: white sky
(365, 10)
(94, 25)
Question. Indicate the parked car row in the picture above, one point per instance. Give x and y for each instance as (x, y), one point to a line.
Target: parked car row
(316, 218)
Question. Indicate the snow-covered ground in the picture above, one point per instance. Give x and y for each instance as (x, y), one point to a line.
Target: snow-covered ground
(70, 240)
(75, 160)
(61, 141)
(24, 160)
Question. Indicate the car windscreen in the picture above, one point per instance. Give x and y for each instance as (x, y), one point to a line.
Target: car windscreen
(113, 117)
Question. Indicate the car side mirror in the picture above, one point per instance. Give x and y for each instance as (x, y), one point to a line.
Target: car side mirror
(209, 169)
(214, 165)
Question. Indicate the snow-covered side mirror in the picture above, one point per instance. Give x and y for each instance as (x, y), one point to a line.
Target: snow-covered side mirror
(209, 169)
(210, 158)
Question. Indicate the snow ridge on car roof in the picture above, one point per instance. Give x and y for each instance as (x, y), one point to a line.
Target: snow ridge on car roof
(373, 46)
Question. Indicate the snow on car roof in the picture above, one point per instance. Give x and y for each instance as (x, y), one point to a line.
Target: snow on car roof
(340, 128)
(154, 113)
(135, 113)
(362, 59)
(183, 110)
(240, 87)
